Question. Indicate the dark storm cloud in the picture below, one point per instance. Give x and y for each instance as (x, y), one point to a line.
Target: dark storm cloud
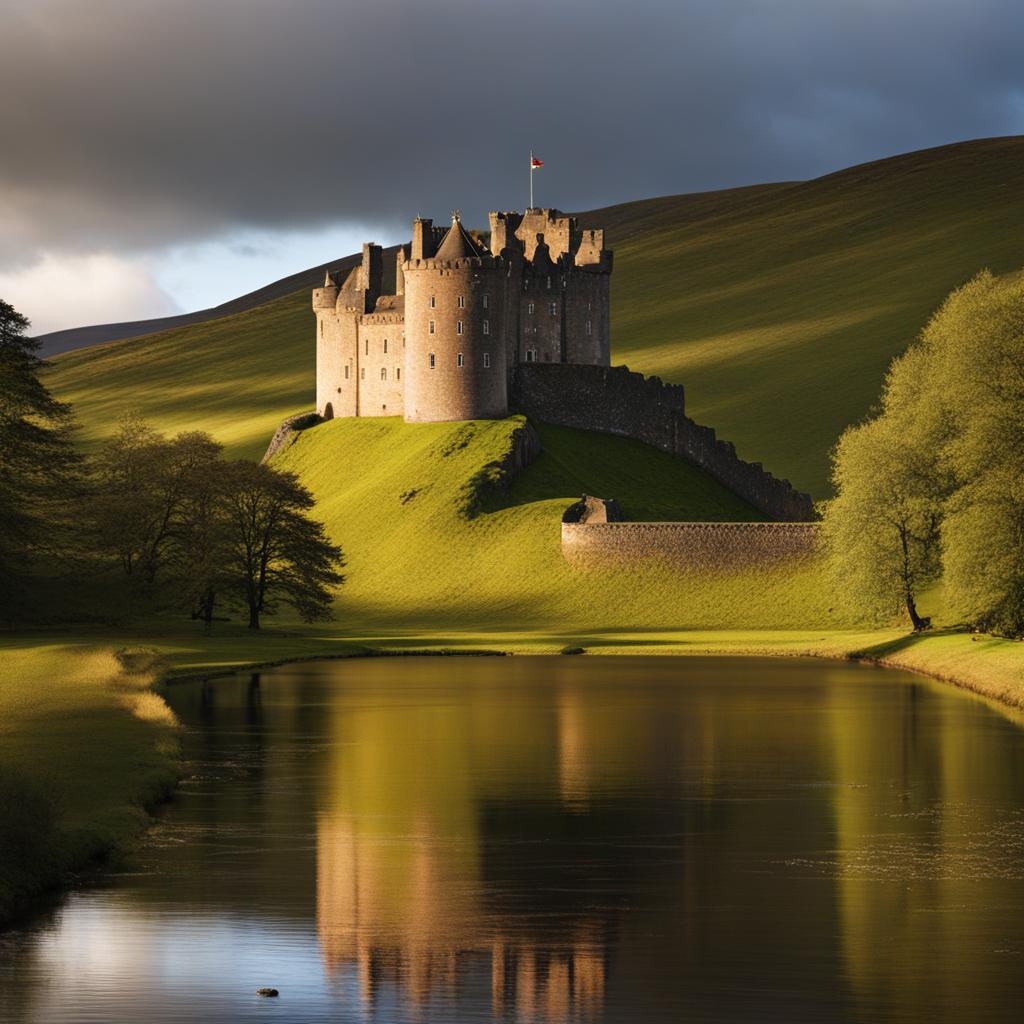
(132, 124)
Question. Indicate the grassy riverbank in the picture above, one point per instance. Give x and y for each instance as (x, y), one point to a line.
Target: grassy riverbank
(87, 743)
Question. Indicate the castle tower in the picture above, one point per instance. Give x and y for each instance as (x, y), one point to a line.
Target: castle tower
(455, 364)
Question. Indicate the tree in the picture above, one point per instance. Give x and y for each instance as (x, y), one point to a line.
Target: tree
(38, 462)
(976, 341)
(143, 483)
(883, 528)
(275, 551)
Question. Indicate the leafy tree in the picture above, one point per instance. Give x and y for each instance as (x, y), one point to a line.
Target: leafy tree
(38, 463)
(883, 528)
(976, 342)
(275, 551)
(143, 483)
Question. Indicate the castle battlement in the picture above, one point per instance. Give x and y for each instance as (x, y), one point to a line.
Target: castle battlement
(463, 314)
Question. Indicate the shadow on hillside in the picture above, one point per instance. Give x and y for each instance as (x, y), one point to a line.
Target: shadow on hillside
(904, 643)
(649, 484)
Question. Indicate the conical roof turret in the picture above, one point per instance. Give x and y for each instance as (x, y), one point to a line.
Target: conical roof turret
(457, 243)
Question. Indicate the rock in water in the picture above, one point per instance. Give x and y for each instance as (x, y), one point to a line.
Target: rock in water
(267, 992)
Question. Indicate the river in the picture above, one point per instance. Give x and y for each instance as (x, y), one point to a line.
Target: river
(559, 839)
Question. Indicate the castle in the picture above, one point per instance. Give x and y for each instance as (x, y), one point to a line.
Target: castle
(463, 314)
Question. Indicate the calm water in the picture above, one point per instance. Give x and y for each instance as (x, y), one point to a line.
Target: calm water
(560, 839)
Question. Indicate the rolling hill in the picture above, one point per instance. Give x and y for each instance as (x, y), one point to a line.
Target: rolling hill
(778, 306)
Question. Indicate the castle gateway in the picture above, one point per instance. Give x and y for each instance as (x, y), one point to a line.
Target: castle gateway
(462, 315)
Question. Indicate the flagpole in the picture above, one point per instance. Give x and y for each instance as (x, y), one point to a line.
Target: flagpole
(531, 179)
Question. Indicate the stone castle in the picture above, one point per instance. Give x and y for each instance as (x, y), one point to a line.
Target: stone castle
(463, 315)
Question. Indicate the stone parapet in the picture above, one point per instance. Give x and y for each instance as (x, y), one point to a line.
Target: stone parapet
(597, 545)
(614, 400)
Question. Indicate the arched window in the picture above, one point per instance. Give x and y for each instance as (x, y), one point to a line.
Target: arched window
(529, 309)
(346, 371)
(433, 360)
(383, 373)
(398, 373)
(385, 346)
(458, 327)
(367, 346)
(486, 300)
(487, 327)
(487, 360)
(554, 308)
(461, 359)
(430, 327)
(462, 302)
(433, 302)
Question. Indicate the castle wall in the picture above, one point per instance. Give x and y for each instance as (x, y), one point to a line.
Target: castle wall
(381, 359)
(688, 545)
(541, 329)
(588, 319)
(335, 350)
(616, 401)
(446, 390)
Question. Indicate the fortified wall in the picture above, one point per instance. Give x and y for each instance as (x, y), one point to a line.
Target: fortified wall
(688, 545)
(614, 400)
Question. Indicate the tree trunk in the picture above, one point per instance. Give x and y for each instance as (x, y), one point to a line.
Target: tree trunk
(915, 619)
(254, 615)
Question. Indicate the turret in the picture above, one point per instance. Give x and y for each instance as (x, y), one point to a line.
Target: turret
(400, 259)
(327, 296)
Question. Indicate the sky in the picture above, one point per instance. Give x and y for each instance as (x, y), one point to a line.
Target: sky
(160, 156)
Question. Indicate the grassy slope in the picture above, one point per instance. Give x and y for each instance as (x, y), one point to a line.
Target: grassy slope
(420, 564)
(83, 747)
(778, 306)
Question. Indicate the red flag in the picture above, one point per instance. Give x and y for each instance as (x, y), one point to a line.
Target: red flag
(534, 162)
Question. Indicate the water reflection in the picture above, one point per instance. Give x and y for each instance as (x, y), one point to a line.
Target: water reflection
(562, 840)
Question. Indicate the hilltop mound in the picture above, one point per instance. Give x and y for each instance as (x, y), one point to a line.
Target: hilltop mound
(397, 503)
(778, 306)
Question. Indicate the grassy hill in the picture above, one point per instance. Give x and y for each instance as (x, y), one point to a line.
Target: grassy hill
(396, 504)
(778, 306)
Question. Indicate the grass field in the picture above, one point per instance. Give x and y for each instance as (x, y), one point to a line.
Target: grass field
(778, 306)
(392, 495)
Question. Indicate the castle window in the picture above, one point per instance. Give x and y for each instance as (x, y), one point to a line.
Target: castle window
(433, 302)
(487, 359)
(526, 284)
(383, 373)
(588, 328)
(487, 327)
(554, 308)
(362, 373)
(346, 372)
(367, 346)
(529, 309)
(462, 302)
(433, 360)
(385, 346)
(431, 327)
(321, 328)
(461, 359)
(458, 327)
(549, 282)
(487, 300)
(398, 373)
(531, 355)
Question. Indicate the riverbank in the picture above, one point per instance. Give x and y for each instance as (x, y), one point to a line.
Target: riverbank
(87, 744)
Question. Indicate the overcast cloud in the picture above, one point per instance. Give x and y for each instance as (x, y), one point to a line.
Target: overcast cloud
(133, 127)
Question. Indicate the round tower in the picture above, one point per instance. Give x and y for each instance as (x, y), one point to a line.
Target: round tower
(455, 362)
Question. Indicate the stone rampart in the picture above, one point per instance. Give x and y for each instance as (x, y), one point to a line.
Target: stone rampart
(285, 433)
(614, 400)
(687, 545)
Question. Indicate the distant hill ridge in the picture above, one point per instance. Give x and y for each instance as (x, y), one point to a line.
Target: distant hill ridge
(778, 306)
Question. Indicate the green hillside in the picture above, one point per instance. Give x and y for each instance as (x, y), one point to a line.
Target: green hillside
(778, 306)
(393, 495)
